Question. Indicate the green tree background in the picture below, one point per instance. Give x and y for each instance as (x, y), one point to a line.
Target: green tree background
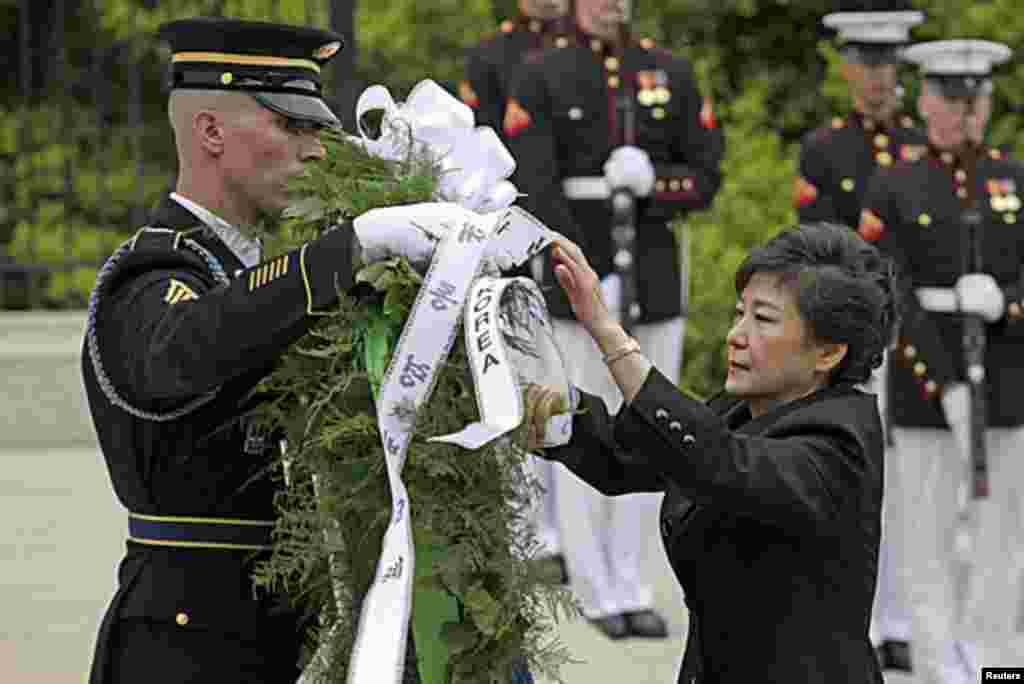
(768, 65)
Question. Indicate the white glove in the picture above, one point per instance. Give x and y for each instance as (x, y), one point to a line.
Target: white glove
(956, 406)
(979, 294)
(630, 167)
(411, 231)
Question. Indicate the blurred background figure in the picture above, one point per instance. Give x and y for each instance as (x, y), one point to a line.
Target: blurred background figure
(491, 64)
(597, 117)
(836, 162)
(490, 69)
(949, 219)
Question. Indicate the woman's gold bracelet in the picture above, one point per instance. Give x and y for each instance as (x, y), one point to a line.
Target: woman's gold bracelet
(631, 346)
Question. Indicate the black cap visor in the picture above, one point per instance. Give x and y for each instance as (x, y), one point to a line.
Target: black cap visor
(872, 54)
(960, 87)
(300, 107)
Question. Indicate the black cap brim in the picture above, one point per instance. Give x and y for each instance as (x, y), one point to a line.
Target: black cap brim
(960, 87)
(301, 107)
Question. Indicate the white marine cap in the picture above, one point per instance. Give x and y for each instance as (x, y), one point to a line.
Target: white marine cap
(957, 57)
(880, 28)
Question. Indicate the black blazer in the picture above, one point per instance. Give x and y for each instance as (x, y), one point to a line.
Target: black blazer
(772, 525)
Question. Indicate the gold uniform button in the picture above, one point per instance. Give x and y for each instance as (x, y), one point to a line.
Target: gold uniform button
(181, 619)
(1010, 217)
(884, 158)
(613, 81)
(931, 387)
(920, 368)
(658, 113)
(596, 45)
(881, 140)
(611, 64)
(561, 42)
(869, 124)
(947, 157)
(847, 184)
(960, 175)
(961, 193)
(227, 77)
(910, 352)
(924, 220)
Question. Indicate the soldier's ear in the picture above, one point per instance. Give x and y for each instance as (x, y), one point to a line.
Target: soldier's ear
(209, 132)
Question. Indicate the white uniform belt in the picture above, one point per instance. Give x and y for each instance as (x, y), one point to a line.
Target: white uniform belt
(586, 187)
(939, 299)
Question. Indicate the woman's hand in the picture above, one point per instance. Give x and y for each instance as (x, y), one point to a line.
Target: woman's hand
(583, 289)
(542, 403)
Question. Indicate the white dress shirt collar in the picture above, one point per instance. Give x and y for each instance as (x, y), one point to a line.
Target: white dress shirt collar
(249, 251)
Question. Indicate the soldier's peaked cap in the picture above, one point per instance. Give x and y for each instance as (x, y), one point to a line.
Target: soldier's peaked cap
(960, 67)
(279, 65)
(873, 26)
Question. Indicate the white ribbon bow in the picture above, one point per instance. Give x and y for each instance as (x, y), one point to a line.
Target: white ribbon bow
(475, 164)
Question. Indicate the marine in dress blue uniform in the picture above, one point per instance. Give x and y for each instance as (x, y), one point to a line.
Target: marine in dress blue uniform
(836, 162)
(573, 108)
(492, 64)
(913, 211)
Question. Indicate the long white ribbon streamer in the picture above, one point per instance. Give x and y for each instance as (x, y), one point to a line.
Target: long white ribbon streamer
(378, 656)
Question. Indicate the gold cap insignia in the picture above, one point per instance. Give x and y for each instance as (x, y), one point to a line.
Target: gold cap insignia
(327, 51)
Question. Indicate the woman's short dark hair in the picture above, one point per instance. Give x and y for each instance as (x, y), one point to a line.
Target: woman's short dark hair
(845, 290)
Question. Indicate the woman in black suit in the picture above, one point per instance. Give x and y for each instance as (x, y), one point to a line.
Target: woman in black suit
(772, 514)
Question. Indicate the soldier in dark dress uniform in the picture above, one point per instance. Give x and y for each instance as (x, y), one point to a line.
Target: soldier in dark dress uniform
(492, 64)
(185, 319)
(913, 211)
(836, 162)
(597, 113)
(773, 491)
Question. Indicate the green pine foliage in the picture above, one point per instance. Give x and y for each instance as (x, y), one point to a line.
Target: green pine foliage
(335, 502)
